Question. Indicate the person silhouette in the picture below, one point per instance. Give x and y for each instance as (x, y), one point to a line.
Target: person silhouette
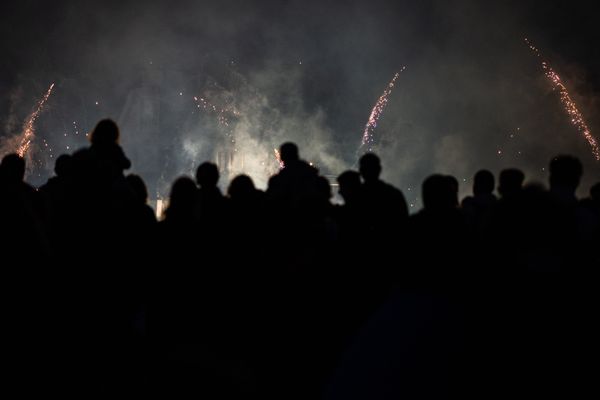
(477, 208)
(565, 176)
(295, 187)
(211, 208)
(105, 149)
(21, 210)
(384, 208)
(510, 182)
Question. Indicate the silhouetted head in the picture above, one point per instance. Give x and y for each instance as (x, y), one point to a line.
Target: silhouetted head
(105, 132)
(349, 188)
(12, 168)
(370, 167)
(510, 182)
(183, 197)
(289, 153)
(439, 193)
(63, 166)
(565, 172)
(241, 187)
(595, 192)
(136, 183)
(207, 175)
(483, 184)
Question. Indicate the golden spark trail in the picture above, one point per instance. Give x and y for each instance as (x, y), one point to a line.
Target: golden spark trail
(278, 157)
(367, 139)
(569, 105)
(29, 129)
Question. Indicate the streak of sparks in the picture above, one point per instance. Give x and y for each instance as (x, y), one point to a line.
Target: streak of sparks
(569, 105)
(367, 139)
(28, 128)
(278, 157)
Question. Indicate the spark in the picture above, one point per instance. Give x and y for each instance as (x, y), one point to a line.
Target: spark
(29, 129)
(278, 157)
(203, 103)
(221, 115)
(367, 139)
(568, 104)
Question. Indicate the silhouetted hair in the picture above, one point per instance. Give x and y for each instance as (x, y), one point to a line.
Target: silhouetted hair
(207, 175)
(106, 131)
(483, 182)
(511, 181)
(565, 171)
(13, 167)
(240, 187)
(370, 167)
(63, 165)
(136, 183)
(289, 152)
(438, 193)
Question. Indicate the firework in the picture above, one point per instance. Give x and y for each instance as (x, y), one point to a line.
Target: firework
(28, 129)
(568, 104)
(278, 157)
(367, 138)
(204, 104)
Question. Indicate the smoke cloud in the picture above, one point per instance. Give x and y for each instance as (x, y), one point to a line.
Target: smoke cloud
(473, 96)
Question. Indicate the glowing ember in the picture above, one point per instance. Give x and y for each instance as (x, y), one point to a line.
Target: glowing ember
(367, 139)
(569, 105)
(278, 157)
(29, 129)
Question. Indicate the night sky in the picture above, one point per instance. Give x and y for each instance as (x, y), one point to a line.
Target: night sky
(308, 72)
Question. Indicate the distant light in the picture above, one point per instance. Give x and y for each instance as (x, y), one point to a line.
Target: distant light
(181, 93)
(96, 103)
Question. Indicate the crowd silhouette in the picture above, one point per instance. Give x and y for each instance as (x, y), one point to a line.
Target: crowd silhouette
(283, 295)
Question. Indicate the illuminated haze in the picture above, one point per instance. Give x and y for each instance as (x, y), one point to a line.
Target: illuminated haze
(309, 72)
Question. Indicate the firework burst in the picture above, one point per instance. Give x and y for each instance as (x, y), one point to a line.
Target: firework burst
(29, 128)
(367, 138)
(568, 104)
